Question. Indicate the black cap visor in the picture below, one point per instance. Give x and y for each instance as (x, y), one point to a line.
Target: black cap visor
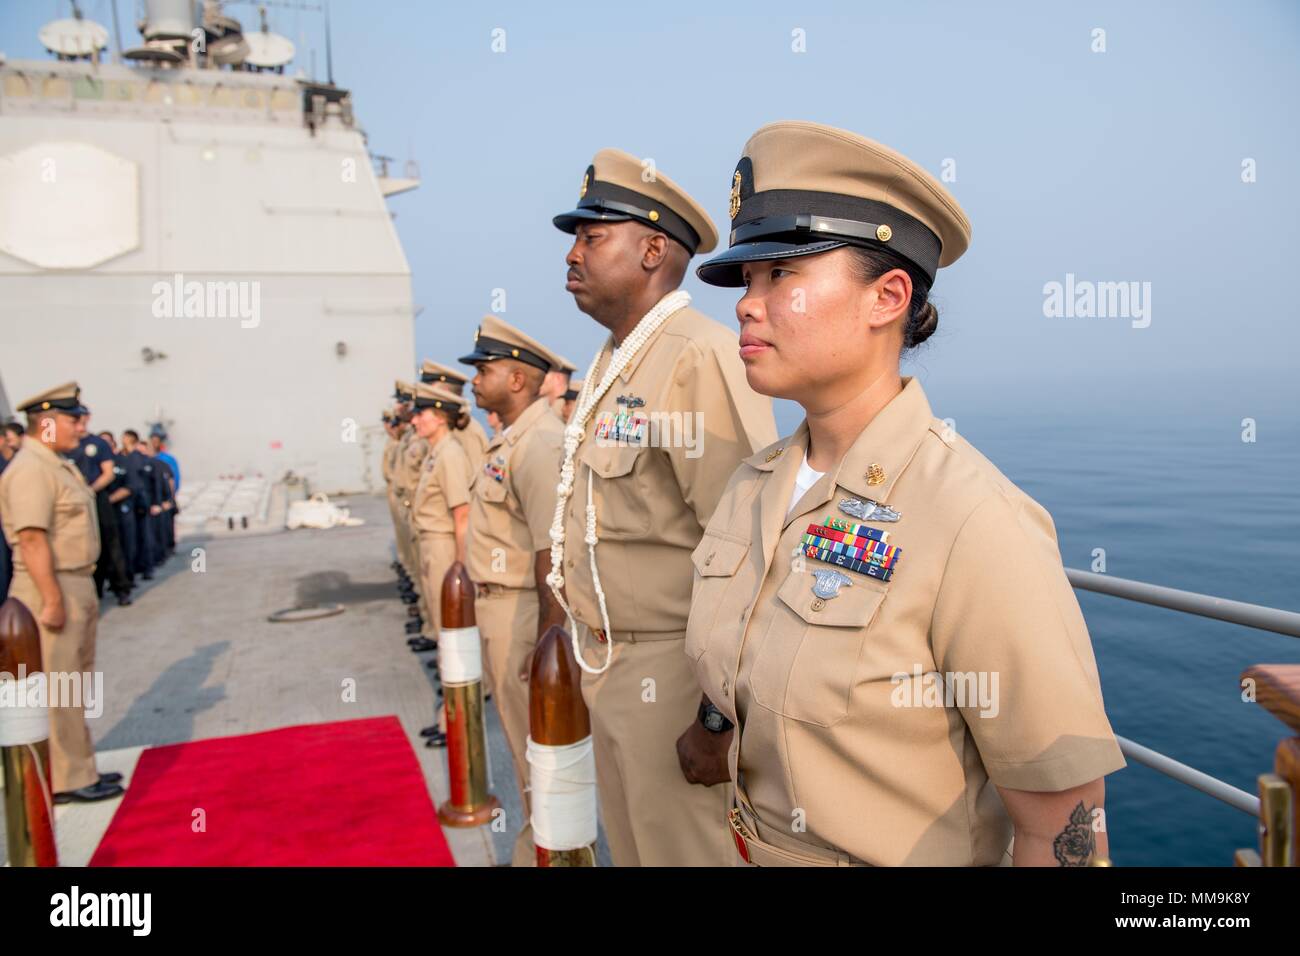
(724, 269)
(422, 403)
(488, 350)
(477, 357)
(569, 221)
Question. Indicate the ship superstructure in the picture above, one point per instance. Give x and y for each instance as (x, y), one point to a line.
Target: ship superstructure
(201, 240)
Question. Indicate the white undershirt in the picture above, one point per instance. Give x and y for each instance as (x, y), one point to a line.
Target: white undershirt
(802, 482)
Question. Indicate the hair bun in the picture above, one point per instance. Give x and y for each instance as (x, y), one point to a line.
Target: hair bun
(923, 325)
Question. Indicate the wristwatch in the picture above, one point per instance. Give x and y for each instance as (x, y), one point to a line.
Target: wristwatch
(714, 720)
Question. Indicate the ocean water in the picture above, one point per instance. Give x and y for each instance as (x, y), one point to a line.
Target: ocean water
(1176, 498)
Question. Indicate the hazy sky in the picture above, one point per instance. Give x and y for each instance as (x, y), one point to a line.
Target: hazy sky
(1116, 166)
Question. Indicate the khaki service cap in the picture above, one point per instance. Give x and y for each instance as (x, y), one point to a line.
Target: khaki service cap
(63, 398)
(615, 188)
(432, 372)
(802, 188)
(497, 339)
(438, 396)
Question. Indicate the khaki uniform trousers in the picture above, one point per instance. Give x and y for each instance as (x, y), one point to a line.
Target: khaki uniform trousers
(437, 554)
(70, 650)
(401, 533)
(507, 625)
(428, 605)
(652, 816)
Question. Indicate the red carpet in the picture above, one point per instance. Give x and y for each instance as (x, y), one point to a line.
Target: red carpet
(343, 794)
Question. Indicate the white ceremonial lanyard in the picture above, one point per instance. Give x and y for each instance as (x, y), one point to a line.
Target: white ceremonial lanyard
(619, 359)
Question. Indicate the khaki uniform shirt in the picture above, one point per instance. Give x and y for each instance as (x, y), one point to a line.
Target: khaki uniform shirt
(698, 419)
(512, 499)
(844, 738)
(399, 455)
(444, 484)
(474, 440)
(389, 459)
(42, 489)
(409, 461)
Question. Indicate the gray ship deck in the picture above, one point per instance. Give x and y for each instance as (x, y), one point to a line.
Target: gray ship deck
(195, 657)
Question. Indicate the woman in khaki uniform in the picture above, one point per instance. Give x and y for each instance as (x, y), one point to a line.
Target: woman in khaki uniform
(440, 503)
(882, 615)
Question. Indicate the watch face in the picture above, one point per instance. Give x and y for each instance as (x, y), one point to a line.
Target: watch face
(713, 720)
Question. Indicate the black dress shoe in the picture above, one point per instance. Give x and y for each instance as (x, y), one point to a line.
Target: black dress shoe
(124, 600)
(423, 644)
(110, 777)
(430, 731)
(432, 664)
(99, 790)
(413, 628)
(437, 740)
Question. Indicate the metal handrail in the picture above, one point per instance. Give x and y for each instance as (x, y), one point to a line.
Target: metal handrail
(1189, 602)
(1190, 776)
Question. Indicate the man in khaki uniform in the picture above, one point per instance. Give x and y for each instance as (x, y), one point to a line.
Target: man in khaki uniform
(570, 400)
(511, 508)
(658, 443)
(556, 384)
(50, 522)
(392, 428)
(410, 458)
(473, 437)
(888, 625)
(399, 489)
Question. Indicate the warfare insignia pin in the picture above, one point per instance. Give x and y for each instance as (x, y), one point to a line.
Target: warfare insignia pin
(631, 401)
(829, 582)
(875, 474)
(868, 510)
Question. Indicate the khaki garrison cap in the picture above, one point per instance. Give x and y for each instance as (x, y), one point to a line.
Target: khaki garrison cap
(563, 365)
(438, 396)
(496, 339)
(614, 189)
(431, 372)
(802, 188)
(402, 391)
(63, 398)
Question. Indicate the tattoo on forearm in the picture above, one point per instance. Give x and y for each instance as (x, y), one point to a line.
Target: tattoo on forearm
(1075, 845)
